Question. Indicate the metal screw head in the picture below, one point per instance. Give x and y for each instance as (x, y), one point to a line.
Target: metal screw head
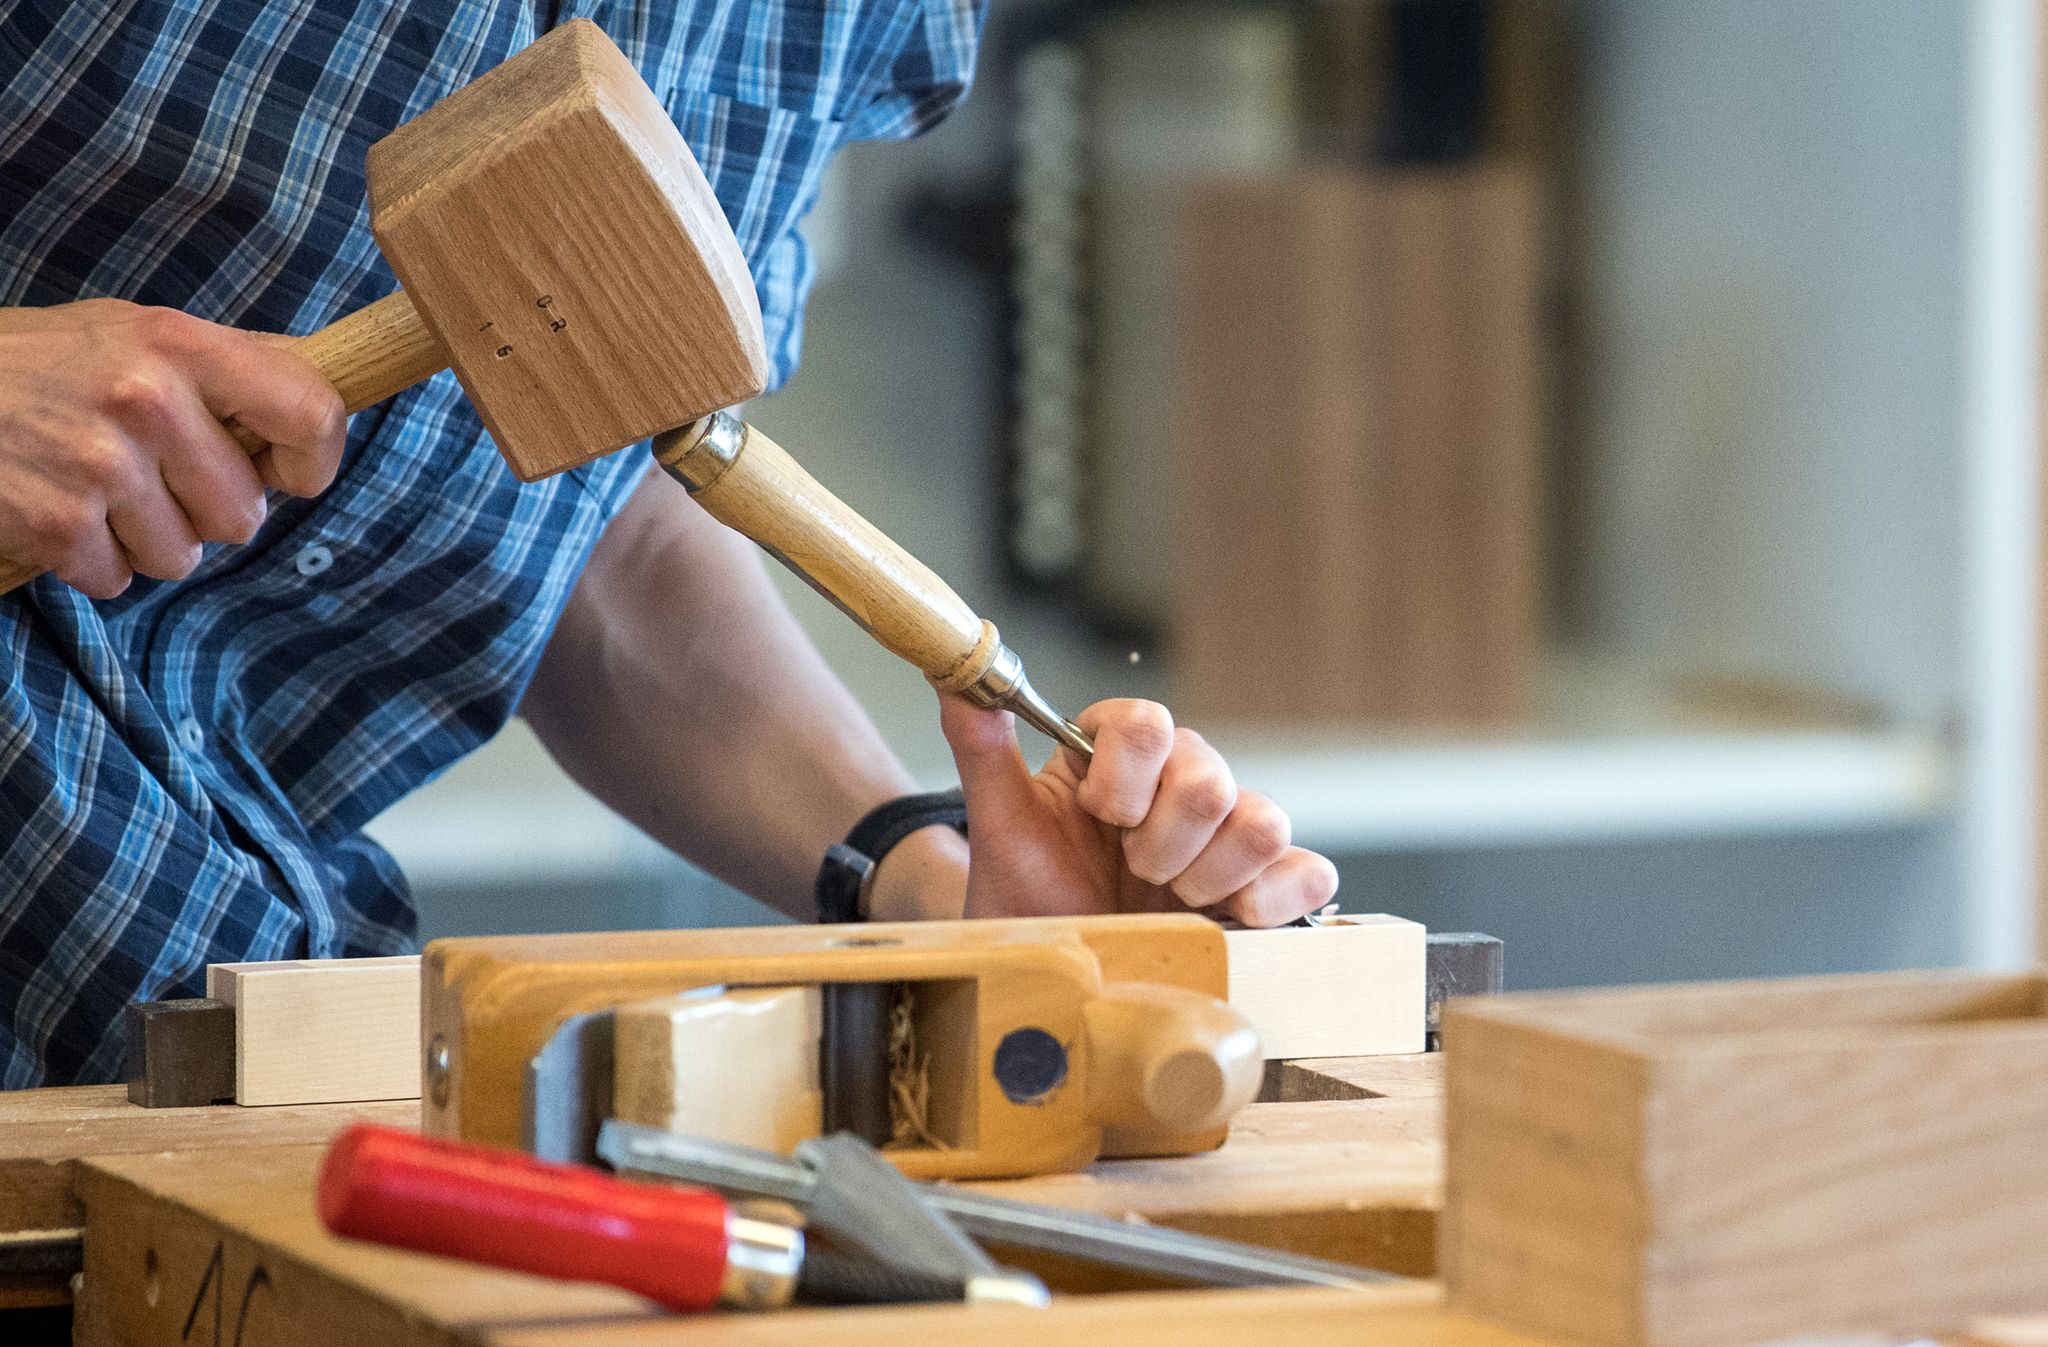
(439, 1073)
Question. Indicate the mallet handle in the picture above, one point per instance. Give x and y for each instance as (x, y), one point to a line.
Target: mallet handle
(369, 355)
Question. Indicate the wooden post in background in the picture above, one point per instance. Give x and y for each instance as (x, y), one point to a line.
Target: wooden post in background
(1359, 505)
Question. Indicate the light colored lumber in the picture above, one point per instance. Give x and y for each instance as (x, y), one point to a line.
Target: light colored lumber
(322, 1031)
(1353, 987)
(739, 1065)
(1743, 1162)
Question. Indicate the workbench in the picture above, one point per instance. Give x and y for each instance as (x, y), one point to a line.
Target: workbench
(200, 1227)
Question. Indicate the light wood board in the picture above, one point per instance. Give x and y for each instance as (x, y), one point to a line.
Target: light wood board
(1351, 988)
(319, 1031)
(738, 1066)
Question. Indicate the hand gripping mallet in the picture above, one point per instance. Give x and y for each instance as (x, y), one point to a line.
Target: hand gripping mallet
(560, 248)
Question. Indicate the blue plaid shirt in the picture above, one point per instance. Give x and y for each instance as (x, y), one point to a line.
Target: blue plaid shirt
(185, 771)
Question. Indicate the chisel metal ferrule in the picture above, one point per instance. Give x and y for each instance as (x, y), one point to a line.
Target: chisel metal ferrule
(703, 451)
(762, 1260)
(1004, 685)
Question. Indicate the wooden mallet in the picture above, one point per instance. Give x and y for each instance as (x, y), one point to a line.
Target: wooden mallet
(561, 249)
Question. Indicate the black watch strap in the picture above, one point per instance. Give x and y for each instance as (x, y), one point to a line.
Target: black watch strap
(844, 877)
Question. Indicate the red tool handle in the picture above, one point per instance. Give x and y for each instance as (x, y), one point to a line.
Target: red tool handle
(512, 1211)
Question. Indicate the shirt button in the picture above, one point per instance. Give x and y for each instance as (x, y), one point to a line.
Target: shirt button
(190, 735)
(312, 559)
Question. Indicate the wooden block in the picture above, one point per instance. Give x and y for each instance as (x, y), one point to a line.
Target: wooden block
(180, 1054)
(1461, 963)
(1352, 987)
(738, 1065)
(564, 247)
(1742, 1162)
(323, 1031)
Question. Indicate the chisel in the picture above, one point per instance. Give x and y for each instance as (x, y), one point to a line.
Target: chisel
(749, 483)
(687, 1249)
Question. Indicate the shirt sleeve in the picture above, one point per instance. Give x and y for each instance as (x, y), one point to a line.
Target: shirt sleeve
(922, 76)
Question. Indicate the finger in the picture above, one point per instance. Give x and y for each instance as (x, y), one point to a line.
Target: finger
(264, 386)
(1298, 883)
(151, 529)
(211, 478)
(1196, 793)
(993, 774)
(1132, 741)
(95, 565)
(1254, 836)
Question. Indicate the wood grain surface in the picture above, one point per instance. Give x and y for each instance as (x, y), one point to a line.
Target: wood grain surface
(1407, 1316)
(1349, 988)
(192, 1225)
(321, 1031)
(42, 1132)
(563, 245)
(1744, 1162)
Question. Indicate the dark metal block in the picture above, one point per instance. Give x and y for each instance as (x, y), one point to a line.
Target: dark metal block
(1460, 963)
(181, 1054)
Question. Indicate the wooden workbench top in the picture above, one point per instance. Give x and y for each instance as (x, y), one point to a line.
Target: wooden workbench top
(43, 1131)
(1357, 1180)
(1408, 1315)
(1337, 1177)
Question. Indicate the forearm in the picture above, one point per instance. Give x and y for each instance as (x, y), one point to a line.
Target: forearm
(680, 691)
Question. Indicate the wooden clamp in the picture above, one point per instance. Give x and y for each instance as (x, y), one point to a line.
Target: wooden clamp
(1044, 1042)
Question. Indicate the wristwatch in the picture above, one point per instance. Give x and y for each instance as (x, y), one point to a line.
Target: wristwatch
(849, 869)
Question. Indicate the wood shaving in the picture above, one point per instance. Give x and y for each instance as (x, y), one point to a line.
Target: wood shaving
(910, 1086)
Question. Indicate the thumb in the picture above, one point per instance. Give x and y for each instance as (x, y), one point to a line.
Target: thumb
(993, 775)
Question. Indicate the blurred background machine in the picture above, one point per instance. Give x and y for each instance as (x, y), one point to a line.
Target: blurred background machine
(1628, 412)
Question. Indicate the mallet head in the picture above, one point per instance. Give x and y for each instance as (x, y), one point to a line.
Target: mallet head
(560, 241)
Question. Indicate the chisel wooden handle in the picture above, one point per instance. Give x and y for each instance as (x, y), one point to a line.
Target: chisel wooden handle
(370, 355)
(749, 483)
